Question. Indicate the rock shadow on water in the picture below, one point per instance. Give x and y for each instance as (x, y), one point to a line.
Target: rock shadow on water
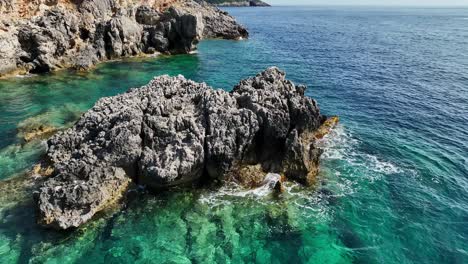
(283, 238)
(359, 251)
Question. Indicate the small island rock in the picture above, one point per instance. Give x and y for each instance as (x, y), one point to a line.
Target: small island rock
(173, 132)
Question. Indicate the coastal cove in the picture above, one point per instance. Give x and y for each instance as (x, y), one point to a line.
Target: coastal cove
(393, 183)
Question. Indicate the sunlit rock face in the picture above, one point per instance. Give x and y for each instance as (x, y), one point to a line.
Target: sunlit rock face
(41, 36)
(174, 132)
(237, 3)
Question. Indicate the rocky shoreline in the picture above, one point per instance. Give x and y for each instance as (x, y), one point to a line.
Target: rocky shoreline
(41, 36)
(175, 132)
(254, 3)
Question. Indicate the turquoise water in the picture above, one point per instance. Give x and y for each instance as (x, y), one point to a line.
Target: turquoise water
(394, 178)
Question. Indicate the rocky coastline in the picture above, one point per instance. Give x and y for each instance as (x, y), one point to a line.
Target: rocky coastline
(176, 132)
(42, 35)
(240, 3)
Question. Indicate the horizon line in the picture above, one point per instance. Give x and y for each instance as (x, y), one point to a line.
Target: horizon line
(372, 5)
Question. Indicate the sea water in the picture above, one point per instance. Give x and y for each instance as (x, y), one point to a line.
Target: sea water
(393, 186)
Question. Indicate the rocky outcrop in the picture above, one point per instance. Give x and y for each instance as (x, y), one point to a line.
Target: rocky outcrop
(258, 3)
(174, 132)
(237, 3)
(41, 36)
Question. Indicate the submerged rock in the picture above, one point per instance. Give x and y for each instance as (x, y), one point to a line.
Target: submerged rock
(38, 132)
(175, 131)
(42, 36)
(35, 128)
(46, 124)
(41, 170)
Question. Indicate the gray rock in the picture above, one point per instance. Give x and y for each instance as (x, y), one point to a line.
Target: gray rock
(239, 3)
(80, 34)
(231, 132)
(70, 203)
(258, 3)
(46, 40)
(98, 9)
(280, 106)
(122, 37)
(174, 131)
(9, 46)
(301, 159)
(159, 42)
(147, 16)
(219, 24)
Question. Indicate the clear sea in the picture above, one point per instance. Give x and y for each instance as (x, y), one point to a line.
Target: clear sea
(393, 186)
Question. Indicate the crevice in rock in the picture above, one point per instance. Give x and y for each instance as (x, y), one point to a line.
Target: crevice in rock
(205, 178)
(42, 68)
(84, 34)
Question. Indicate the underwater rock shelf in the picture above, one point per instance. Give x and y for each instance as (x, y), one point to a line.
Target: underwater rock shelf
(174, 132)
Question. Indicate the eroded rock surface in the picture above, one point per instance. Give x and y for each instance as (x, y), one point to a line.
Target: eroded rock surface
(175, 131)
(238, 3)
(41, 36)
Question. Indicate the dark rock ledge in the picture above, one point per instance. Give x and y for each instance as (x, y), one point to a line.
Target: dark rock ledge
(174, 132)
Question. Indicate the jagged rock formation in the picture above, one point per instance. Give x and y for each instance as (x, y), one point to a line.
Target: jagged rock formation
(175, 131)
(237, 3)
(45, 35)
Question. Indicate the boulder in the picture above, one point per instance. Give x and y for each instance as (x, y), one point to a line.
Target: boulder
(46, 40)
(72, 203)
(122, 37)
(9, 46)
(301, 159)
(146, 15)
(175, 132)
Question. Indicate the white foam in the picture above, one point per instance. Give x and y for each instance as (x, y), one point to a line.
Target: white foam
(381, 166)
(341, 145)
(234, 190)
(28, 75)
(344, 169)
(266, 188)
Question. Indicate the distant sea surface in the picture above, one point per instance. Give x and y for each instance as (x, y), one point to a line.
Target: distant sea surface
(393, 186)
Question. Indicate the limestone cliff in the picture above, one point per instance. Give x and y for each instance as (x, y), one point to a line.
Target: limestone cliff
(45, 35)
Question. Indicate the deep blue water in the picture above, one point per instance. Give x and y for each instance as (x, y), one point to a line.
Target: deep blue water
(394, 180)
(398, 78)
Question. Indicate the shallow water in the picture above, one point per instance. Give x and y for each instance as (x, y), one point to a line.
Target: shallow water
(394, 181)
